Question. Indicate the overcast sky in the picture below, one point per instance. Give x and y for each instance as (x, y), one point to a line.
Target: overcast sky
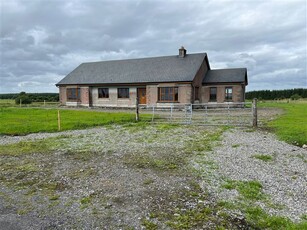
(44, 40)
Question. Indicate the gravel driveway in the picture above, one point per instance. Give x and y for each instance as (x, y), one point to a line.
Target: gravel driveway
(110, 178)
(281, 169)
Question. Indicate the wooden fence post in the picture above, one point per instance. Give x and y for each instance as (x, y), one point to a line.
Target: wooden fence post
(59, 121)
(19, 102)
(137, 115)
(255, 123)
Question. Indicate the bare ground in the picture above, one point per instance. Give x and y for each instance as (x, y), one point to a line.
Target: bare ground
(110, 178)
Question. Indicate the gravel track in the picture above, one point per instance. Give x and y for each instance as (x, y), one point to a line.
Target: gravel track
(283, 178)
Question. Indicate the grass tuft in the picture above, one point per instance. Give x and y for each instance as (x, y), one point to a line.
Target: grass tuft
(250, 190)
(263, 157)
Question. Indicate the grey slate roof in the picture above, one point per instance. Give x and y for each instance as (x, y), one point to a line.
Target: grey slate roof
(237, 75)
(156, 69)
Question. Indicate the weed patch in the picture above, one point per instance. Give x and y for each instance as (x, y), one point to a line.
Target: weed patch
(149, 225)
(249, 190)
(161, 162)
(29, 147)
(204, 142)
(148, 181)
(55, 197)
(261, 220)
(263, 157)
(85, 201)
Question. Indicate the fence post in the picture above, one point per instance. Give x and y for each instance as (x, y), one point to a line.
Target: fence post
(255, 123)
(59, 121)
(153, 113)
(137, 116)
(228, 114)
(191, 114)
(206, 114)
(19, 102)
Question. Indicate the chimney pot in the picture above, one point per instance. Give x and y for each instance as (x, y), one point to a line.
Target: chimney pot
(182, 52)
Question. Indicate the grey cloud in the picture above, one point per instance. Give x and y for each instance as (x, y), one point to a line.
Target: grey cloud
(42, 41)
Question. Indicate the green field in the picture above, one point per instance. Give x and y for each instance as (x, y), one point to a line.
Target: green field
(11, 103)
(20, 121)
(40, 117)
(292, 125)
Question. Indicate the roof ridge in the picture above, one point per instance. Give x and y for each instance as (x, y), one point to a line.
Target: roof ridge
(231, 68)
(141, 58)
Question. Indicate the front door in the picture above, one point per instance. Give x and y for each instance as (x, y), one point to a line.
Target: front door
(142, 95)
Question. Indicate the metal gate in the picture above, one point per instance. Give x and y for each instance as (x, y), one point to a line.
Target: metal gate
(234, 114)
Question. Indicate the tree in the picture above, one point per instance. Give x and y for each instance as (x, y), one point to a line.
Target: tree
(23, 98)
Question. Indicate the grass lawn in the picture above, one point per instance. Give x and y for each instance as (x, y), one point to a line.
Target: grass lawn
(20, 121)
(291, 126)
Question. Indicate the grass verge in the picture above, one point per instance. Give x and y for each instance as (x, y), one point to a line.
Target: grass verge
(21, 121)
(291, 126)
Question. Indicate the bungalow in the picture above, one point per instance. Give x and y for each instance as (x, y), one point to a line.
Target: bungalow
(184, 78)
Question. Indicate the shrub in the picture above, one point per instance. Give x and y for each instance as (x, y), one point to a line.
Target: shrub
(24, 98)
(295, 97)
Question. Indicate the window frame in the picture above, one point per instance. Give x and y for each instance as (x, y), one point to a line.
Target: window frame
(211, 98)
(119, 94)
(103, 95)
(168, 94)
(73, 94)
(228, 95)
(196, 93)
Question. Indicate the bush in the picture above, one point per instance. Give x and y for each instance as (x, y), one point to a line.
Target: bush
(295, 97)
(24, 98)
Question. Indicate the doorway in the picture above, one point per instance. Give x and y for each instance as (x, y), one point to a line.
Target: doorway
(142, 95)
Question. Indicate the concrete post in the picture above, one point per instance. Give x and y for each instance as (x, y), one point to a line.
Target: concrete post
(137, 116)
(255, 122)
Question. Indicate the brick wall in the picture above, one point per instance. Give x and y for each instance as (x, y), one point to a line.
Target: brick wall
(185, 94)
(151, 94)
(62, 95)
(197, 82)
(85, 97)
(238, 92)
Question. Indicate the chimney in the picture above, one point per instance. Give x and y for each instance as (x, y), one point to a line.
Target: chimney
(182, 52)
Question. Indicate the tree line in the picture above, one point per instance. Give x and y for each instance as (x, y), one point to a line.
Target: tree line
(27, 98)
(293, 94)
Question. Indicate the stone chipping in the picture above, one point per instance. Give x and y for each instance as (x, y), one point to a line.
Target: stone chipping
(283, 178)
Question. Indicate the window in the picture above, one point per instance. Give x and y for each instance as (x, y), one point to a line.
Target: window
(213, 94)
(228, 93)
(73, 94)
(196, 93)
(103, 93)
(168, 94)
(123, 92)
